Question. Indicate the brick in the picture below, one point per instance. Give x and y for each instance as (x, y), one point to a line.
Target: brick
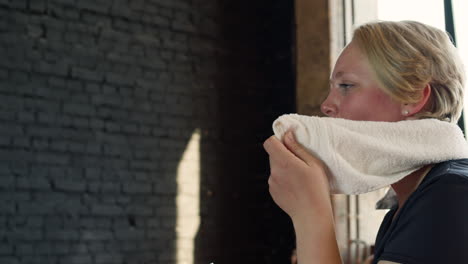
(53, 94)
(96, 235)
(37, 5)
(34, 221)
(140, 210)
(80, 122)
(26, 117)
(16, 155)
(129, 234)
(185, 26)
(24, 234)
(154, 223)
(69, 185)
(20, 77)
(47, 118)
(7, 116)
(7, 181)
(100, 6)
(130, 128)
(77, 134)
(77, 259)
(95, 246)
(92, 88)
(52, 158)
(41, 105)
(14, 195)
(119, 79)
(25, 249)
(58, 145)
(85, 74)
(106, 100)
(55, 221)
(33, 183)
(94, 187)
(106, 258)
(9, 260)
(49, 248)
(112, 127)
(34, 208)
(109, 89)
(10, 129)
(6, 250)
(35, 31)
(129, 247)
(104, 209)
(60, 68)
(71, 14)
(159, 20)
(93, 148)
(92, 173)
(74, 86)
(20, 4)
(41, 144)
(7, 208)
(5, 141)
(76, 147)
(11, 102)
(136, 188)
(79, 249)
(61, 234)
(79, 109)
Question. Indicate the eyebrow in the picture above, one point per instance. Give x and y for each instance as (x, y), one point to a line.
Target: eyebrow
(337, 75)
(341, 73)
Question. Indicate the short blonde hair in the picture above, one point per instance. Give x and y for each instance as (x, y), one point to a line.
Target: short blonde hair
(408, 55)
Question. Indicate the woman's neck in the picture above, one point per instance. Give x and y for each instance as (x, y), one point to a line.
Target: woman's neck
(405, 187)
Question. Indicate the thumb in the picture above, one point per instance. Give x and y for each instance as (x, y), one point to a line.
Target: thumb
(296, 148)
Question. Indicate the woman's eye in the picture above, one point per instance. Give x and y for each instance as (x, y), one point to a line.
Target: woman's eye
(345, 86)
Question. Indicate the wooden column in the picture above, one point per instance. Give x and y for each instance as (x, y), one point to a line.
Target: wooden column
(320, 36)
(313, 52)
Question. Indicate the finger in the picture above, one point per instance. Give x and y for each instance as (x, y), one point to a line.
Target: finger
(297, 149)
(277, 150)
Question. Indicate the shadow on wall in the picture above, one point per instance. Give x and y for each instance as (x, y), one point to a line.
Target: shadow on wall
(254, 84)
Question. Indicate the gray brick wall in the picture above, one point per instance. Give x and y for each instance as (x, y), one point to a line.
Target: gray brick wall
(98, 101)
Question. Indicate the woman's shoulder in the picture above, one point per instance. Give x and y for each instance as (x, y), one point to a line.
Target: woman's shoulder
(431, 223)
(444, 190)
(447, 172)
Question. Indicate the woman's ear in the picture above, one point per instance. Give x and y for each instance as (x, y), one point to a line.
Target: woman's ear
(414, 108)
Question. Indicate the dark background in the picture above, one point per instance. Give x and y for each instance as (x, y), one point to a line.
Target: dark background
(98, 101)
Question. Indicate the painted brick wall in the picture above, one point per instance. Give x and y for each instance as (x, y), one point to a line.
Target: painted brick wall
(98, 102)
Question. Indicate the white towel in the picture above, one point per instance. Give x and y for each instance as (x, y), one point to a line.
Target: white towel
(366, 155)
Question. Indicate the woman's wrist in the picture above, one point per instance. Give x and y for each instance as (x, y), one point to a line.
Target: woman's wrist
(316, 239)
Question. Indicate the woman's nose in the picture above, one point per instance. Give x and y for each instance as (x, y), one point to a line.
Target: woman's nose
(328, 107)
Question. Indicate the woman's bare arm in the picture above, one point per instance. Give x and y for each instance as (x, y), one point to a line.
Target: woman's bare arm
(299, 185)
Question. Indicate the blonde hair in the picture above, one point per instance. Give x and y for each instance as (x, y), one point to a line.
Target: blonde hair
(408, 55)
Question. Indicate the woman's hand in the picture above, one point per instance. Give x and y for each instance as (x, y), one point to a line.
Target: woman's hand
(299, 185)
(298, 180)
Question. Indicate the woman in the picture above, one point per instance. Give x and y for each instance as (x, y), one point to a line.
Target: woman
(391, 71)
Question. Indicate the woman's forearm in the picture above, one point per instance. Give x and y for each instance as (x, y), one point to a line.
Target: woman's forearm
(316, 240)
(298, 184)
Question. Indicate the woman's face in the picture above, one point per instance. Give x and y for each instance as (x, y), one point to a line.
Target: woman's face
(355, 93)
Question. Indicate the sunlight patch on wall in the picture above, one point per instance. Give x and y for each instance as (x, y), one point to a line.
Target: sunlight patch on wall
(188, 200)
